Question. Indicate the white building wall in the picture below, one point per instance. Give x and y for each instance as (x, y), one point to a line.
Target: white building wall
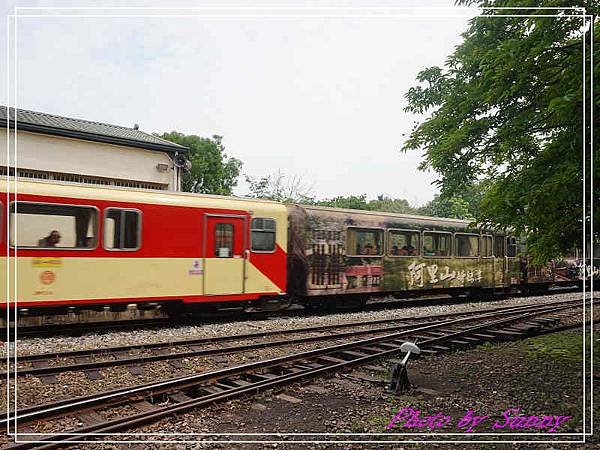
(43, 152)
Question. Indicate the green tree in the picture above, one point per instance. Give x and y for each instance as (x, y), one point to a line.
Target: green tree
(280, 188)
(507, 110)
(212, 171)
(453, 207)
(465, 205)
(393, 205)
(349, 202)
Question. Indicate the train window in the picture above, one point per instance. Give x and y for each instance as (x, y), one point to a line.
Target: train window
(467, 245)
(262, 233)
(403, 243)
(44, 225)
(436, 244)
(224, 240)
(511, 246)
(122, 229)
(499, 246)
(364, 241)
(486, 246)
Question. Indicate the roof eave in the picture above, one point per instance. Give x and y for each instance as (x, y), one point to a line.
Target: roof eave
(94, 137)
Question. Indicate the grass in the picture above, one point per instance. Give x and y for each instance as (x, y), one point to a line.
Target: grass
(566, 346)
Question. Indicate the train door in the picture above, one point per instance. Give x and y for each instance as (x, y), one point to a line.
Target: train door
(500, 263)
(225, 246)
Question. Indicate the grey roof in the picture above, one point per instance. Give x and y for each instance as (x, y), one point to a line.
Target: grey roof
(85, 129)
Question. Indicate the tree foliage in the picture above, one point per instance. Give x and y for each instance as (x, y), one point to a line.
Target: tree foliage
(459, 206)
(212, 171)
(281, 188)
(506, 110)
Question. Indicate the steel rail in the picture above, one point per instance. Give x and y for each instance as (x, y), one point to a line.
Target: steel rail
(119, 396)
(219, 339)
(368, 351)
(137, 360)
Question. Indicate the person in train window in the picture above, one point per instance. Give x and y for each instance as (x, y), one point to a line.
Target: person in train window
(395, 250)
(368, 249)
(410, 250)
(51, 240)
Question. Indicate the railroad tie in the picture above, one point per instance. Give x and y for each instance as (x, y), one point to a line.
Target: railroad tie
(484, 336)
(331, 359)
(143, 405)
(179, 397)
(264, 376)
(90, 417)
(354, 354)
(506, 334)
(459, 343)
(135, 370)
(48, 379)
(373, 348)
(93, 374)
(176, 363)
(240, 383)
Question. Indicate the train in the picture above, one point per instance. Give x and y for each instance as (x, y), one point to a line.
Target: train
(75, 247)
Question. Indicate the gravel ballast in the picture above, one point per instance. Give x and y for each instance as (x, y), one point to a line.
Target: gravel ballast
(139, 337)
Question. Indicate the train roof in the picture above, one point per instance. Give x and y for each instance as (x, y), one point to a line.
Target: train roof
(409, 218)
(128, 194)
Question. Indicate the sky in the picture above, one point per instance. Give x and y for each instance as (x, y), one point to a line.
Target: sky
(298, 91)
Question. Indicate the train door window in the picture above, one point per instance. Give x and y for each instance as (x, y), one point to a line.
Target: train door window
(122, 229)
(403, 243)
(511, 246)
(224, 240)
(467, 245)
(486, 246)
(44, 225)
(262, 235)
(364, 241)
(437, 243)
(499, 246)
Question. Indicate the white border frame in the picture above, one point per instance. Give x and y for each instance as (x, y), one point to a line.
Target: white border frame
(579, 12)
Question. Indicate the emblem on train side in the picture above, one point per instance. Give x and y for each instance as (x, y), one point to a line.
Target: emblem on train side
(47, 262)
(47, 277)
(196, 268)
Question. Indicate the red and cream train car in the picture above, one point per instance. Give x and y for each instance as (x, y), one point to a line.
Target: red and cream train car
(84, 246)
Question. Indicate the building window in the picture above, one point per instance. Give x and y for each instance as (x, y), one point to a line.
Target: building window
(403, 243)
(467, 245)
(436, 244)
(224, 240)
(262, 235)
(364, 241)
(122, 229)
(511, 246)
(486, 246)
(43, 225)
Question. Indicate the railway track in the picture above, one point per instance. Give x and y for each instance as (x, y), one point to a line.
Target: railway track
(47, 365)
(151, 402)
(77, 329)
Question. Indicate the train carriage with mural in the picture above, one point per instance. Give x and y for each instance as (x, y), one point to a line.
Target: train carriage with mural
(67, 246)
(353, 254)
